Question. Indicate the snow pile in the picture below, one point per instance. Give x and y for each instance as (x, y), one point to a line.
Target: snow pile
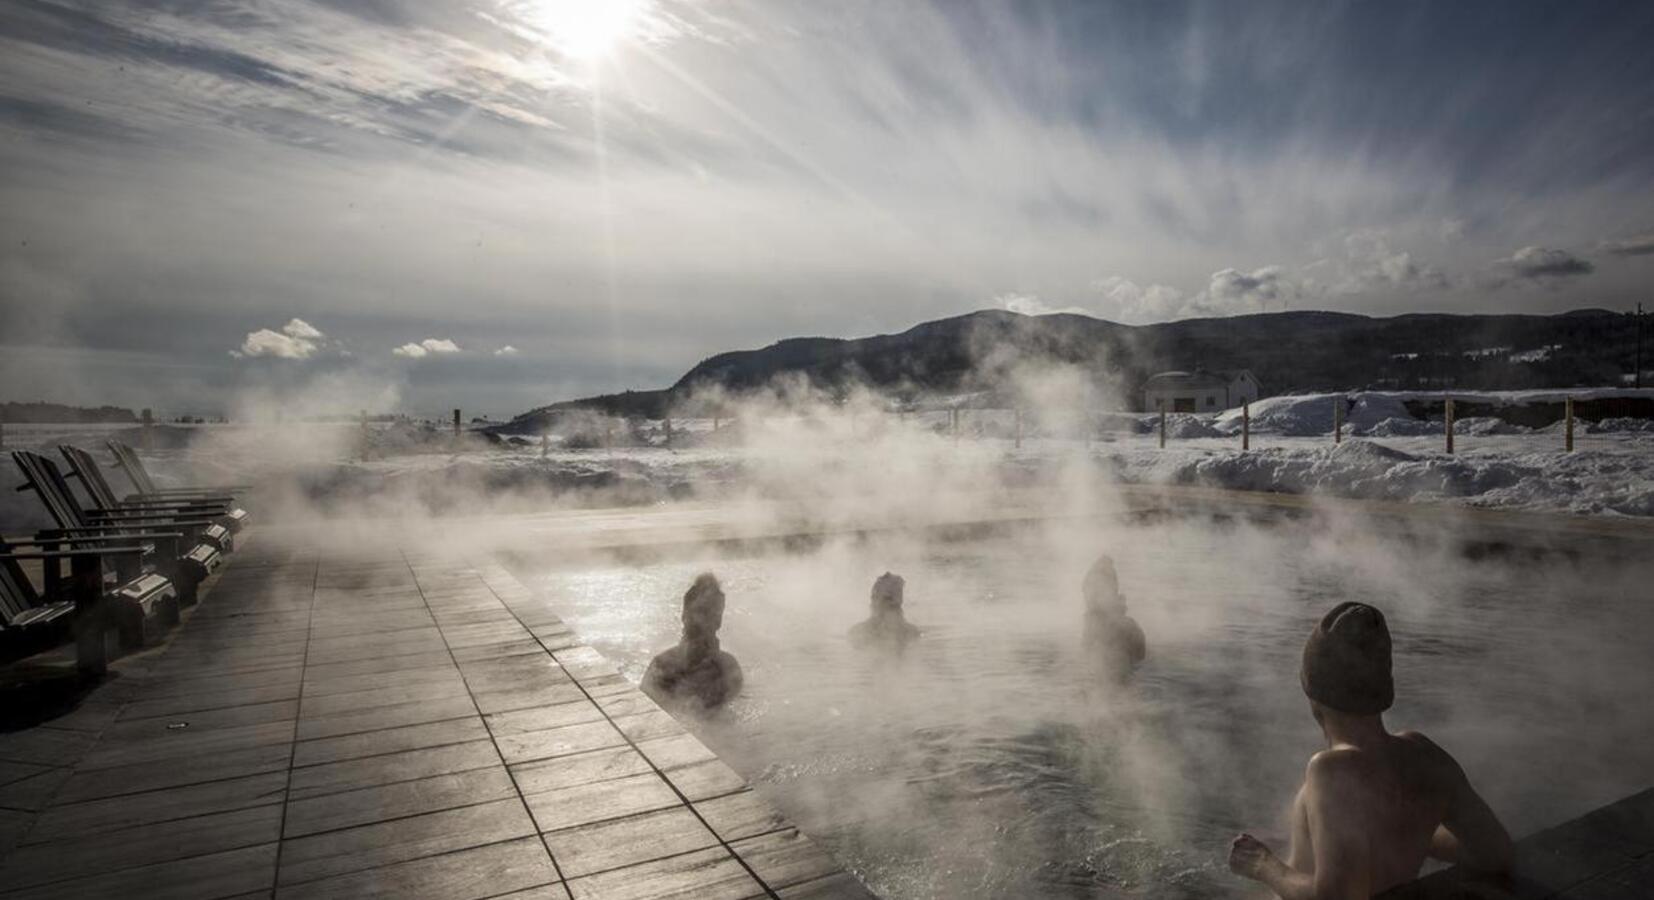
(1620, 426)
(1291, 415)
(1402, 427)
(1485, 426)
(1184, 426)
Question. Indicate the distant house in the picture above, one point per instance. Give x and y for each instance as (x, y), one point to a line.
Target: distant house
(1200, 390)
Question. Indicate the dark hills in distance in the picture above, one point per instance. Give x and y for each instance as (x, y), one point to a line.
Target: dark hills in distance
(1287, 351)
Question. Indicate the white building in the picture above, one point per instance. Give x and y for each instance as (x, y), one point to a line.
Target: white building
(1200, 390)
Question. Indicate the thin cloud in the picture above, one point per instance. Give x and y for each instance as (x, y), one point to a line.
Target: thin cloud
(1637, 245)
(1544, 262)
(507, 350)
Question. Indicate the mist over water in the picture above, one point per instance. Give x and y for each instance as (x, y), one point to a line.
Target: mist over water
(992, 761)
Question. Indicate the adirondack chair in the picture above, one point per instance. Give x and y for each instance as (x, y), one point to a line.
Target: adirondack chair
(201, 528)
(82, 604)
(128, 460)
(170, 535)
(85, 469)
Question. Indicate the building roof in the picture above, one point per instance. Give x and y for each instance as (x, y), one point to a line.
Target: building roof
(1182, 380)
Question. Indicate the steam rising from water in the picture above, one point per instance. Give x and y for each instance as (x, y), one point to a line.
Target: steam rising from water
(992, 762)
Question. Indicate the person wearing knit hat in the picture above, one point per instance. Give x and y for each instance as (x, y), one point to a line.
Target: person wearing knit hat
(1114, 641)
(696, 673)
(886, 629)
(1374, 804)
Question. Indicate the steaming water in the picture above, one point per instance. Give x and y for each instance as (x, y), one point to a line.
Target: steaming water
(988, 763)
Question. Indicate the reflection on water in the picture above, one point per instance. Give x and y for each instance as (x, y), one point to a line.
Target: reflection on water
(986, 763)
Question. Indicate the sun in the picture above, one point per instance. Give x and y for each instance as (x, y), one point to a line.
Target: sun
(588, 29)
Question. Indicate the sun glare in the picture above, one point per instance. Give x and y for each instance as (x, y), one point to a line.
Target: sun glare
(588, 29)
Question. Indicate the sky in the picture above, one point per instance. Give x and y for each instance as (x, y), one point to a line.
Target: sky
(495, 204)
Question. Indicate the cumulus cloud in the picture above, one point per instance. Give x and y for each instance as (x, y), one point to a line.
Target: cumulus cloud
(297, 339)
(1233, 292)
(1370, 264)
(426, 348)
(1135, 304)
(507, 350)
(1636, 245)
(1544, 262)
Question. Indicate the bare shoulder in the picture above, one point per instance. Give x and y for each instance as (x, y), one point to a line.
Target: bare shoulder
(1332, 767)
(1429, 752)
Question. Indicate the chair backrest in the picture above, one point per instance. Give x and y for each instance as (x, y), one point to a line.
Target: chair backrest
(90, 474)
(133, 467)
(16, 591)
(47, 482)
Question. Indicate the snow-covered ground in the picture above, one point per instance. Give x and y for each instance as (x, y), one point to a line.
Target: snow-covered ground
(1386, 454)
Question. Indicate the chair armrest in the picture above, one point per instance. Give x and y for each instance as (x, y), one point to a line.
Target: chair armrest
(117, 521)
(68, 554)
(90, 535)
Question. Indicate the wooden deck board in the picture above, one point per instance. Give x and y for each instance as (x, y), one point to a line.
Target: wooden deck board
(382, 726)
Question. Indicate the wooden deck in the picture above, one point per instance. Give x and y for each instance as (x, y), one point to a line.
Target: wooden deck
(1607, 854)
(382, 724)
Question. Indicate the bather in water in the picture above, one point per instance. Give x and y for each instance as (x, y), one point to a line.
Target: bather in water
(886, 629)
(696, 673)
(1112, 639)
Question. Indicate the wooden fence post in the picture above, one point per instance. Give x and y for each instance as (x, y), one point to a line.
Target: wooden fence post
(669, 430)
(456, 423)
(1447, 417)
(1338, 420)
(1246, 426)
(1568, 411)
(1162, 424)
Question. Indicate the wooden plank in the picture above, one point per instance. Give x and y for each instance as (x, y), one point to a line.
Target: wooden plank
(583, 804)
(741, 815)
(580, 768)
(212, 875)
(399, 840)
(389, 768)
(36, 864)
(332, 704)
(131, 810)
(505, 701)
(542, 718)
(187, 744)
(785, 857)
(205, 720)
(702, 780)
(395, 715)
(389, 740)
(614, 843)
(148, 777)
(404, 798)
(568, 739)
(464, 875)
(702, 875)
(842, 886)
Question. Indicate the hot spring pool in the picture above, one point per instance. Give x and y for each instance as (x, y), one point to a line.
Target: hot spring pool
(985, 763)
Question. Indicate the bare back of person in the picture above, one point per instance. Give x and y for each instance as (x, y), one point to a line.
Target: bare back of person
(1396, 793)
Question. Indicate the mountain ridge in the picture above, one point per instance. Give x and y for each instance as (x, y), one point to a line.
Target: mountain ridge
(1300, 350)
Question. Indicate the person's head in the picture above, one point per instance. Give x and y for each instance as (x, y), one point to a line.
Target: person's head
(703, 611)
(1346, 668)
(1101, 587)
(887, 594)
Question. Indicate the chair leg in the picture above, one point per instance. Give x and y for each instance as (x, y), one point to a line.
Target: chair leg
(91, 657)
(169, 612)
(131, 626)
